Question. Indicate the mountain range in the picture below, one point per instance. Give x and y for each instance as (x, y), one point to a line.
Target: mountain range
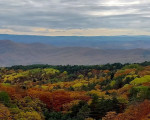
(100, 42)
(13, 53)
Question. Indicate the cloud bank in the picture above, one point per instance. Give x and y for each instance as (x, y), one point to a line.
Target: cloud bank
(75, 17)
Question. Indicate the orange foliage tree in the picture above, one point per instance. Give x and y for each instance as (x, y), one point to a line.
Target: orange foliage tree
(56, 99)
(135, 112)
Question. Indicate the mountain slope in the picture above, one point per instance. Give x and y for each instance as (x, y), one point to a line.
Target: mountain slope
(12, 53)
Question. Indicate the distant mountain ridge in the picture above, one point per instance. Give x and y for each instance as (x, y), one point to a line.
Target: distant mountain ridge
(12, 53)
(101, 42)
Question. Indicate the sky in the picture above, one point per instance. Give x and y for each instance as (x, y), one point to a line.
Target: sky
(75, 17)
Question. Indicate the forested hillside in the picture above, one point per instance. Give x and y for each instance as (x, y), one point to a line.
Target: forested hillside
(96, 92)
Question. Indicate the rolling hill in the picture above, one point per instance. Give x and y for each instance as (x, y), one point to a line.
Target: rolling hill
(12, 53)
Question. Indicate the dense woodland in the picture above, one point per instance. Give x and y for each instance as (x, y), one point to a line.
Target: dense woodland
(98, 92)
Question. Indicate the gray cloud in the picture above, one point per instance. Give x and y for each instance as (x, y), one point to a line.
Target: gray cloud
(74, 14)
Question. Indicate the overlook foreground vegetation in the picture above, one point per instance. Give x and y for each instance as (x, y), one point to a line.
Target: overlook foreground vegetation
(44, 92)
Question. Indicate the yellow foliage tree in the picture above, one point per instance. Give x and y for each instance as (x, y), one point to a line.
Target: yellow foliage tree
(4, 113)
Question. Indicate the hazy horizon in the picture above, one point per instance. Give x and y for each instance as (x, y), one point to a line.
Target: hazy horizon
(74, 31)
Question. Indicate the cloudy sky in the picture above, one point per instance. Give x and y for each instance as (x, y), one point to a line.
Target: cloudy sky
(75, 17)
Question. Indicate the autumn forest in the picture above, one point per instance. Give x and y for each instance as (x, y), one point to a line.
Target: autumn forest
(95, 92)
